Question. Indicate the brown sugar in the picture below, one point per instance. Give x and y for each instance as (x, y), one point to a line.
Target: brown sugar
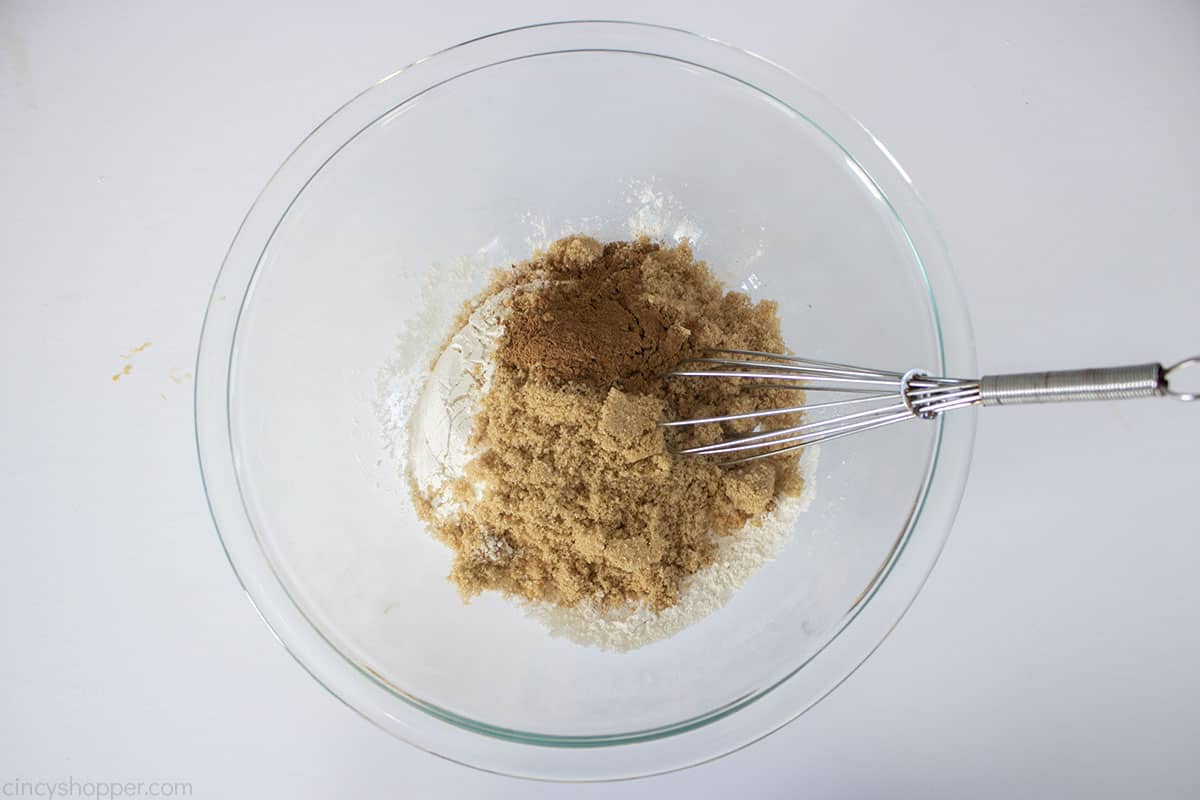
(575, 492)
(629, 425)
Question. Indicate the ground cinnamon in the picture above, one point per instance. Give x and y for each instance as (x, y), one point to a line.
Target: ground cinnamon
(595, 323)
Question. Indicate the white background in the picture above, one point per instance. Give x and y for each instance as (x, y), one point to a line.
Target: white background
(1056, 649)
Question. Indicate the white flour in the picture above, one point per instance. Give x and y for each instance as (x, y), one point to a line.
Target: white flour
(652, 211)
(402, 377)
(444, 415)
(658, 214)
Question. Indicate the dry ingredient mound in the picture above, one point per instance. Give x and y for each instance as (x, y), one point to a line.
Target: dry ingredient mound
(573, 495)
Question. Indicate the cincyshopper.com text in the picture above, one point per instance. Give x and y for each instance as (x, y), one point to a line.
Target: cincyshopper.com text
(72, 787)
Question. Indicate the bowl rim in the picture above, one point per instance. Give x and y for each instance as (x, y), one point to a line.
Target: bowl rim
(952, 441)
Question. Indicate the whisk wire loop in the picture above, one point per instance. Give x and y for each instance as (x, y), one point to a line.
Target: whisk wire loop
(875, 398)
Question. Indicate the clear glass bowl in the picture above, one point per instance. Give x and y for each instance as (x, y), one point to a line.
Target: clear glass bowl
(472, 152)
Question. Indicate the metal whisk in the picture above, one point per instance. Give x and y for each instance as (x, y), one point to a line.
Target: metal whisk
(879, 397)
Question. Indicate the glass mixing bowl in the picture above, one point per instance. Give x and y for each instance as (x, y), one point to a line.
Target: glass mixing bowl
(465, 160)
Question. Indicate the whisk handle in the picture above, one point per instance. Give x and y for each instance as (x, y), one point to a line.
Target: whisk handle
(1065, 386)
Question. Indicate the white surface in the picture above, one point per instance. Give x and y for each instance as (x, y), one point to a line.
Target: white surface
(1055, 650)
